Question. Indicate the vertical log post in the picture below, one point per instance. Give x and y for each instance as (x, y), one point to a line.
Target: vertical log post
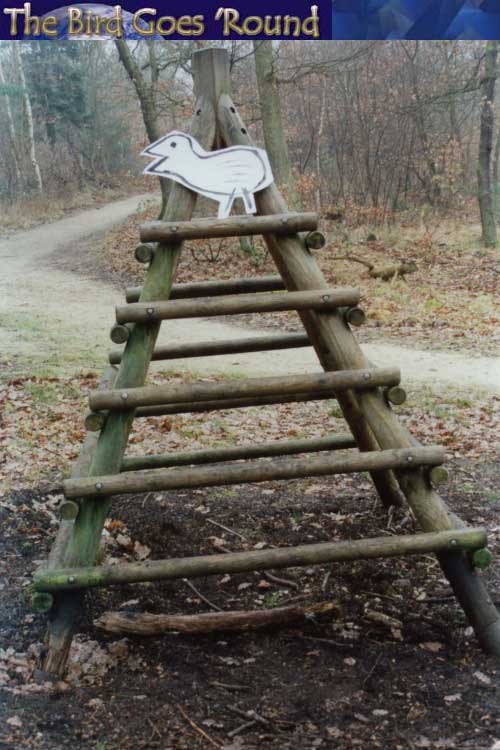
(66, 606)
(83, 544)
(372, 422)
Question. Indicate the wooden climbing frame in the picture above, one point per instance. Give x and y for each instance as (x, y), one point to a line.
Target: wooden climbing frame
(377, 443)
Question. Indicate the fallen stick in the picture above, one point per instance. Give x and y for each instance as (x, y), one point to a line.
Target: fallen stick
(196, 728)
(144, 623)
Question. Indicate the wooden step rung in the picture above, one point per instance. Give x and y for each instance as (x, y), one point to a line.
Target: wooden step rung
(232, 226)
(231, 403)
(216, 288)
(267, 559)
(95, 421)
(131, 482)
(320, 299)
(230, 346)
(131, 398)
(219, 455)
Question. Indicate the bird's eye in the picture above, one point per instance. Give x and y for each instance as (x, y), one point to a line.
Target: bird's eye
(173, 144)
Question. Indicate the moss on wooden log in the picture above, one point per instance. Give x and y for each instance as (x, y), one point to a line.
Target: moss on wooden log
(232, 226)
(84, 539)
(326, 299)
(144, 623)
(250, 471)
(355, 316)
(119, 334)
(315, 240)
(367, 413)
(216, 288)
(67, 607)
(438, 475)
(42, 602)
(144, 253)
(217, 455)
(68, 510)
(481, 558)
(95, 420)
(230, 346)
(130, 398)
(395, 395)
(242, 562)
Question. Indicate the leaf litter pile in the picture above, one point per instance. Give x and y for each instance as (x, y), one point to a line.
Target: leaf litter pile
(394, 665)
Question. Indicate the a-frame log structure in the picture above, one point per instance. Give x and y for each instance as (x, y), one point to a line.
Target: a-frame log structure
(401, 469)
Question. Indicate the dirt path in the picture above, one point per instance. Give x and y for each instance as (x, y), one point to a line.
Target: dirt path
(56, 320)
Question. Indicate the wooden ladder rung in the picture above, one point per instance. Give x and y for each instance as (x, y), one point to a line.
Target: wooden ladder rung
(232, 226)
(342, 380)
(230, 403)
(230, 346)
(267, 559)
(323, 299)
(218, 455)
(95, 420)
(252, 471)
(216, 288)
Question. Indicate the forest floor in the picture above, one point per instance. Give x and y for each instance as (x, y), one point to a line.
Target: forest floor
(397, 667)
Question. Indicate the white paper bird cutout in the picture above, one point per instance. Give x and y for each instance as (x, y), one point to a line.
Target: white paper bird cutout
(223, 176)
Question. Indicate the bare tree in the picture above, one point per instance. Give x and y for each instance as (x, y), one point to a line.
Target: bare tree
(272, 122)
(30, 131)
(147, 91)
(12, 135)
(485, 191)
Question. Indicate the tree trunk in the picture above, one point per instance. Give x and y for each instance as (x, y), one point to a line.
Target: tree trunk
(147, 99)
(485, 190)
(18, 64)
(272, 123)
(12, 136)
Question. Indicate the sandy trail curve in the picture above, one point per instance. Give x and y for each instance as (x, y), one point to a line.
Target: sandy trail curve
(60, 321)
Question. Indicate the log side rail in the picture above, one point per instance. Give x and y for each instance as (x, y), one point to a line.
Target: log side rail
(218, 455)
(131, 398)
(220, 475)
(199, 307)
(232, 226)
(65, 609)
(368, 415)
(216, 288)
(227, 346)
(269, 559)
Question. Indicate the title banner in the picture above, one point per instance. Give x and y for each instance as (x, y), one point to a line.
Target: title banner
(191, 19)
(243, 19)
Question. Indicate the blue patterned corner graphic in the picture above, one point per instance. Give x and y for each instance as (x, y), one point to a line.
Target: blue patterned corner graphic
(416, 19)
